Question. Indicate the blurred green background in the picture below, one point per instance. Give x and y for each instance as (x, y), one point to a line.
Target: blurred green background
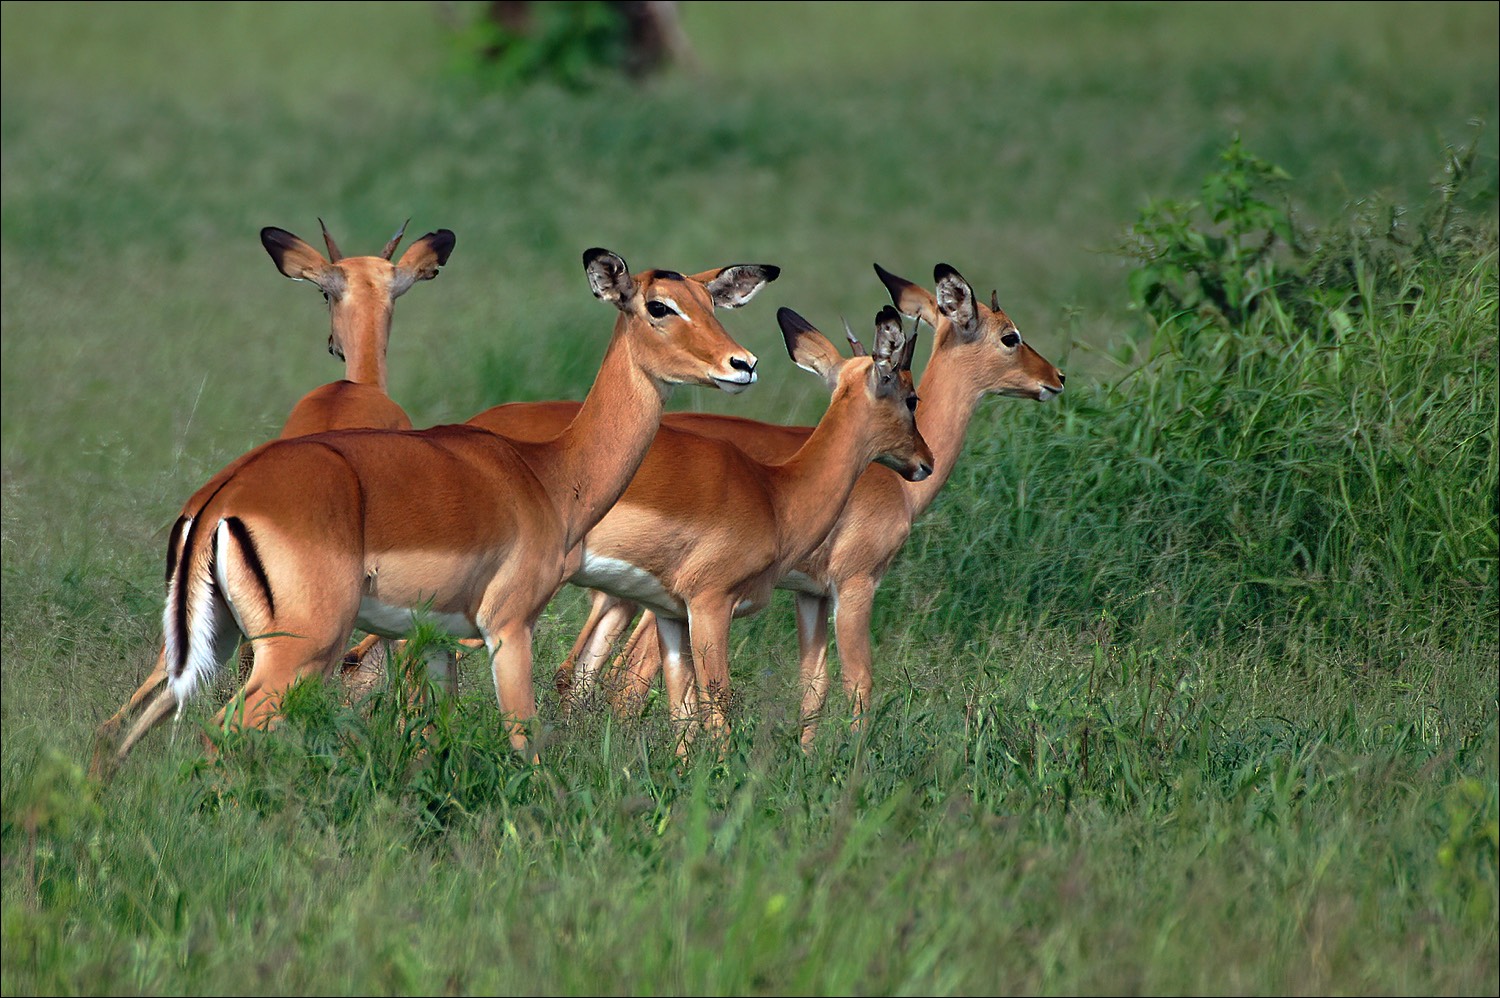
(148, 339)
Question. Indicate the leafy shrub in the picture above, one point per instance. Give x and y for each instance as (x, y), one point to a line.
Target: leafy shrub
(1307, 442)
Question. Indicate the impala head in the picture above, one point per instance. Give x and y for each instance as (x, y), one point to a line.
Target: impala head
(674, 336)
(360, 290)
(878, 385)
(985, 338)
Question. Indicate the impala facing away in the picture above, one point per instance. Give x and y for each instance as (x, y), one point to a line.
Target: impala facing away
(302, 539)
(704, 531)
(361, 292)
(976, 351)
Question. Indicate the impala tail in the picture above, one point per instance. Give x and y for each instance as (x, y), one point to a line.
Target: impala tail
(198, 621)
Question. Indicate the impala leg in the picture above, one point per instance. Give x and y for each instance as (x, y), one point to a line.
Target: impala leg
(812, 642)
(851, 625)
(510, 654)
(364, 664)
(160, 707)
(708, 631)
(442, 669)
(296, 649)
(611, 623)
(149, 705)
(635, 667)
(677, 675)
(599, 604)
(246, 661)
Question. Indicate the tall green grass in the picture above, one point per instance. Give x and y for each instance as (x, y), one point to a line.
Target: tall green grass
(1319, 462)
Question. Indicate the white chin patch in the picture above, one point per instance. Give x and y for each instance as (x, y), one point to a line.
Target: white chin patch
(734, 387)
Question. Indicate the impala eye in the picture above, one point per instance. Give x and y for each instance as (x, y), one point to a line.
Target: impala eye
(911, 403)
(1011, 339)
(659, 309)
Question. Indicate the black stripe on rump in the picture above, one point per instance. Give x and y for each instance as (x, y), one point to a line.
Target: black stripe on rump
(173, 546)
(180, 610)
(241, 534)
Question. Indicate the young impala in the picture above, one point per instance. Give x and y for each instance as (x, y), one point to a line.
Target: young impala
(704, 531)
(361, 292)
(304, 538)
(976, 351)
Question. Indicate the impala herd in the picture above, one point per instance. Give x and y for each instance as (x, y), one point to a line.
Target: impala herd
(352, 519)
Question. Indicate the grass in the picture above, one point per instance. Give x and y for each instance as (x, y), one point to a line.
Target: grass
(1186, 684)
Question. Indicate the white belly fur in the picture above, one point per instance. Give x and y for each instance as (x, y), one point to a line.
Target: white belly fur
(622, 579)
(394, 621)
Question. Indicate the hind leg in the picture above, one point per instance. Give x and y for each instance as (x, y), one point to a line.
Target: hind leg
(148, 706)
(636, 667)
(294, 650)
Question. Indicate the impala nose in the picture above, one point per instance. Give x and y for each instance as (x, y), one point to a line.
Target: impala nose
(743, 376)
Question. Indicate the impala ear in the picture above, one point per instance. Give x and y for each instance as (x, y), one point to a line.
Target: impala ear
(299, 261)
(955, 299)
(890, 350)
(422, 259)
(913, 300)
(733, 286)
(809, 349)
(609, 278)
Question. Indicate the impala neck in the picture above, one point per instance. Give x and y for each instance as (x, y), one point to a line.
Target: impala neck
(588, 466)
(949, 398)
(810, 488)
(364, 344)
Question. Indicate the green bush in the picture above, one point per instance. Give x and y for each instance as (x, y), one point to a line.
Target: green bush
(1306, 442)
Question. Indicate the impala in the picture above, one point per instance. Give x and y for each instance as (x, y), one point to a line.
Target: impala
(361, 292)
(976, 351)
(297, 542)
(704, 531)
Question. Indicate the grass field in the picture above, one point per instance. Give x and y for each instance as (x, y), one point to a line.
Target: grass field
(1186, 684)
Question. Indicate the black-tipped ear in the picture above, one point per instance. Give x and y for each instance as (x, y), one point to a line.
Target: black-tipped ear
(909, 299)
(608, 276)
(955, 299)
(733, 286)
(893, 284)
(887, 314)
(296, 259)
(890, 338)
(278, 242)
(890, 319)
(421, 261)
(808, 348)
(443, 241)
(792, 325)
